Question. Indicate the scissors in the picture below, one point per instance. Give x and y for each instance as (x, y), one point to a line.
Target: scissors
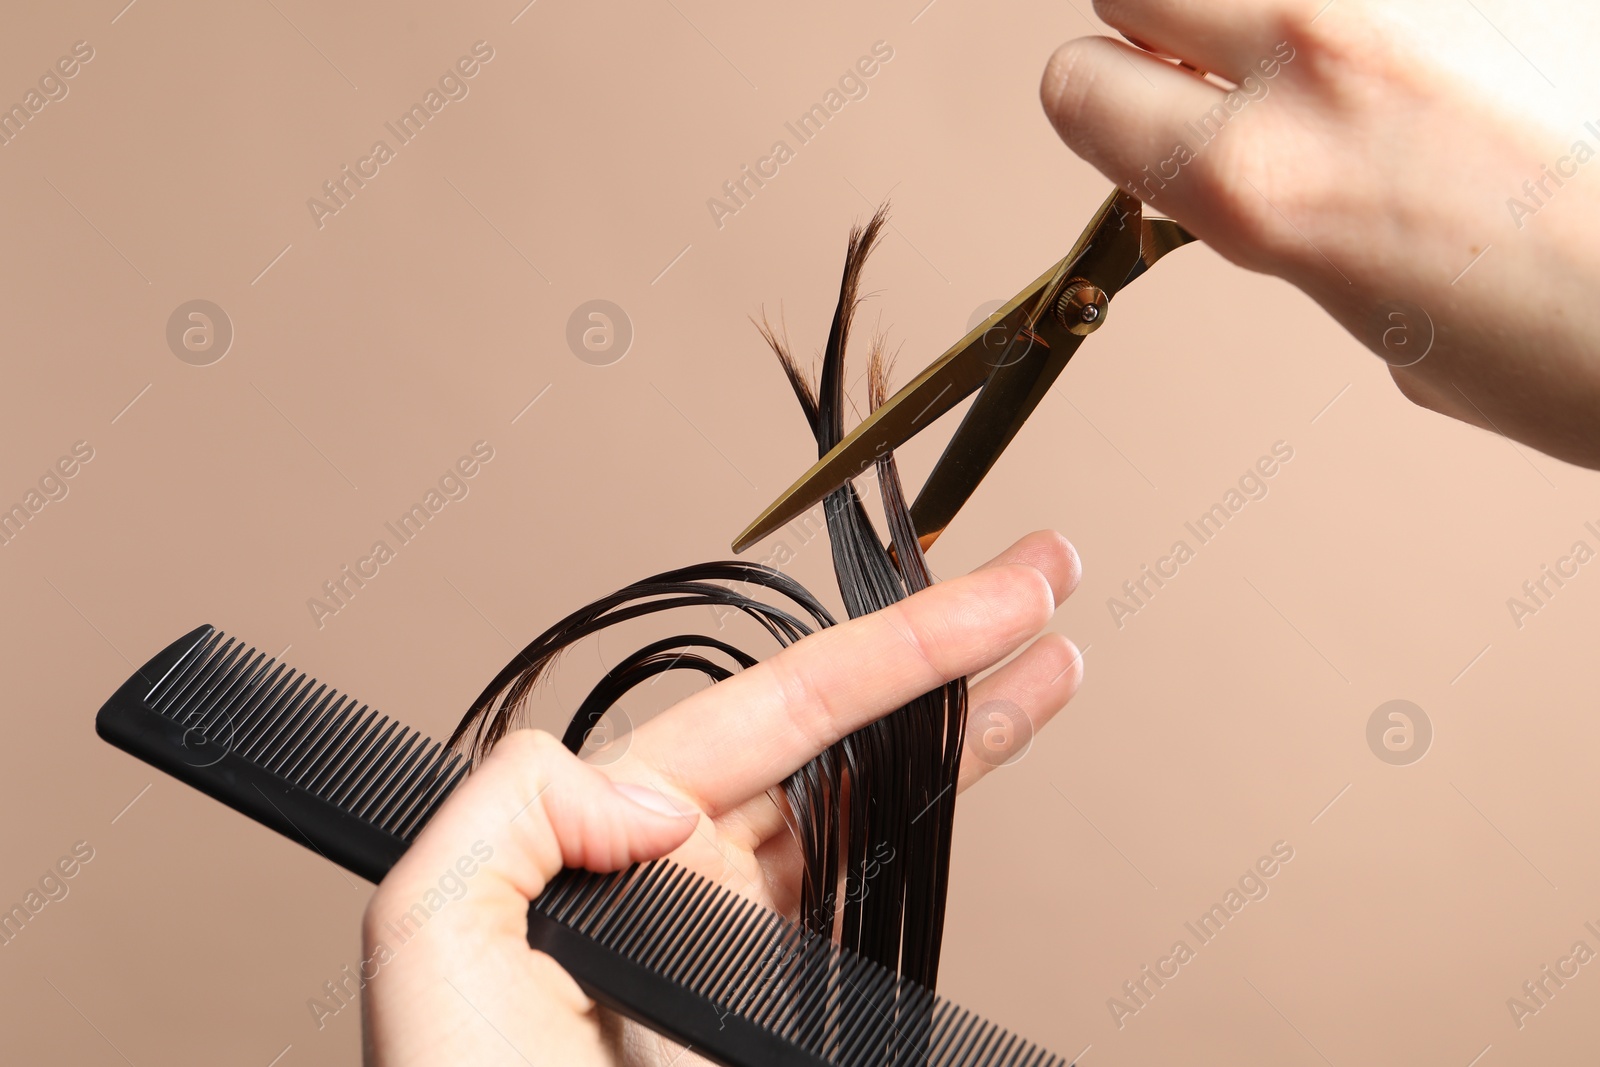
(1011, 359)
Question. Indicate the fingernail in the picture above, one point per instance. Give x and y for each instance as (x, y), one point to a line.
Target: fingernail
(652, 799)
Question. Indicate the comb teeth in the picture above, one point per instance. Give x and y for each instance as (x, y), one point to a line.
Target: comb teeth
(743, 985)
(227, 694)
(317, 766)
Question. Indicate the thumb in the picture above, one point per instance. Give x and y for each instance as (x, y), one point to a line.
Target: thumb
(1127, 113)
(1119, 107)
(530, 809)
(444, 938)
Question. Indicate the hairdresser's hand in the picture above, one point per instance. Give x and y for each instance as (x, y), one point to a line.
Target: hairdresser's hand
(696, 779)
(1374, 151)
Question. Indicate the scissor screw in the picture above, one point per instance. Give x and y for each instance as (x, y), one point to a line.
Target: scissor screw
(1081, 307)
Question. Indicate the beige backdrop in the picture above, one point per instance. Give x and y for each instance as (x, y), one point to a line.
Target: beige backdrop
(375, 344)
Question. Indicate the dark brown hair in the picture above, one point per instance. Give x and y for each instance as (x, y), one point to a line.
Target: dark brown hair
(872, 815)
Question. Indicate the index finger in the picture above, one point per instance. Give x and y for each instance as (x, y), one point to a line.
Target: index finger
(740, 737)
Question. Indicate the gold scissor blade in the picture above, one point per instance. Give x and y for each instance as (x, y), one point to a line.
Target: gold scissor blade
(946, 382)
(1102, 260)
(1019, 346)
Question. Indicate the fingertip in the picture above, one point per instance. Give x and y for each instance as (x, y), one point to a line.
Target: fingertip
(1091, 90)
(1052, 555)
(602, 825)
(650, 835)
(1061, 76)
(1125, 112)
(652, 800)
(1056, 558)
(1072, 572)
(1066, 663)
(660, 823)
(1037, 683)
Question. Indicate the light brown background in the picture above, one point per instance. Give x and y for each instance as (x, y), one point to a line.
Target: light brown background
(425, 316)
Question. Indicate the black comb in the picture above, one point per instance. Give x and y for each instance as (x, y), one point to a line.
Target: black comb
(289, 752)
(737, 983)
(720, 973)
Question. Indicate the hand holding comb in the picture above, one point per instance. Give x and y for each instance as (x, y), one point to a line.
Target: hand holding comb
(739, 984)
